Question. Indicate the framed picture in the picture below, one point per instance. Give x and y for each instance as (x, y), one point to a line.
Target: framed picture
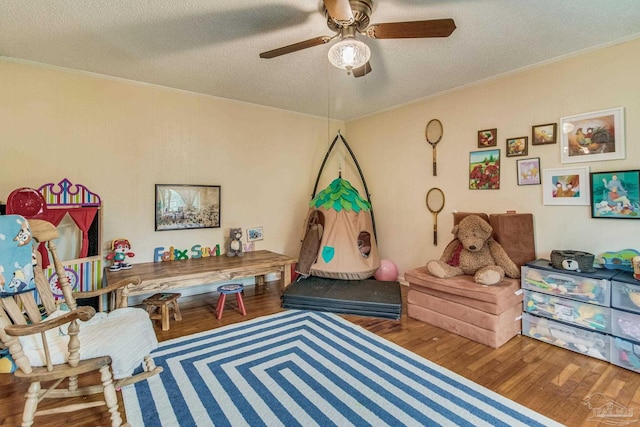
(593, 137)
(487, 138)
(181, 207)
(565, 186)
(615, 194)
(484, 170)
(517, 146)
(544, 134)
(254, 234)
(528, 171)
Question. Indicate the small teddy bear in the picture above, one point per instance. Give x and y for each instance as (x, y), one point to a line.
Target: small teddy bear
(234, 247)
(476, 253)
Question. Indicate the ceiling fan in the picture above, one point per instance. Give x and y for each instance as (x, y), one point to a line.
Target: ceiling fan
(349, 17)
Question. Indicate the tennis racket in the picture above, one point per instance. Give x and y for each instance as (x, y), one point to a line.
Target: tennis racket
(435, 204)
(434, 135)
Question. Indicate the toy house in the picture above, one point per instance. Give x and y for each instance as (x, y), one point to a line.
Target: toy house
(77, 213)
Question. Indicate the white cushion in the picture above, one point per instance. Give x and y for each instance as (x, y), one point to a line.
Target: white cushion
(125, 334)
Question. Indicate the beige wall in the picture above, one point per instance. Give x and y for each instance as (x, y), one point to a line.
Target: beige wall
(120, 138)
(397, 160)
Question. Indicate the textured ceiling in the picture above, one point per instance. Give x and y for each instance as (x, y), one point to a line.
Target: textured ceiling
(212, 46)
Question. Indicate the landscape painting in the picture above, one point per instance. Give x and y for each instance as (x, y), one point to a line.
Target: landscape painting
(484, 170)
(180, 207)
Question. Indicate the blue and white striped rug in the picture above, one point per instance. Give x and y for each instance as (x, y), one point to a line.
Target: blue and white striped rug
(309, 369)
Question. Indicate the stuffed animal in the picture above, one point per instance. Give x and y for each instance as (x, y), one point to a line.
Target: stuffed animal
(474, 252)
(234, 247)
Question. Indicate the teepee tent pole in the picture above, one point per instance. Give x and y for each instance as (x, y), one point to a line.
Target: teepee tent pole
(355, 161)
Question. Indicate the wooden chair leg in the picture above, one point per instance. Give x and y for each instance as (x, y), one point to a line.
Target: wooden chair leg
(176, 311)
(31, 404)
(110, 397)
(73, 383)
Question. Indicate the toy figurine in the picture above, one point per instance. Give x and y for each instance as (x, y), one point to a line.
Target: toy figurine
(121, 250)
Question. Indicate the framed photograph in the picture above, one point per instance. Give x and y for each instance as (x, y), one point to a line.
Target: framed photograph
(544, 134)
(181, 207)
(487, 138)
(484, 170)
(517, 146)
(254, 233)
(529, 171)
(592, 137)
(565, 186)
(615, 194)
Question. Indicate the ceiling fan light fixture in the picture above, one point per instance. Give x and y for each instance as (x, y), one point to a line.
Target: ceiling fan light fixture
(348, 54)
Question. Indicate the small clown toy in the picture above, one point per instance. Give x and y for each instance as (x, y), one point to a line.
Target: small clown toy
(121, 250)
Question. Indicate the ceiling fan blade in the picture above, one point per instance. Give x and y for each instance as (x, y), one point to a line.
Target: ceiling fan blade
(412, 30)
(339, 10)
(295, 47)
(362, 71)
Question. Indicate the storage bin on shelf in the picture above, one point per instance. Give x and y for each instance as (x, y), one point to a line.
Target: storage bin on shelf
(583, 314)
(594, 288)
(590, 343)
(625, 292)
(625, 321)
(625, 353)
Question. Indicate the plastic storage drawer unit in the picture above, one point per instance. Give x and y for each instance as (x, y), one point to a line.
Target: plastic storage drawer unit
(590, 343)
(625, 292)
(625, 354)
(594, 288)
(625, 324)
(582, 314)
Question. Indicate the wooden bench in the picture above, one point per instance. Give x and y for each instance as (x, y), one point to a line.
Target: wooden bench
(167, 276)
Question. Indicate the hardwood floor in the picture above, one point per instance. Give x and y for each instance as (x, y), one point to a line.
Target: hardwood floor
(547, 379)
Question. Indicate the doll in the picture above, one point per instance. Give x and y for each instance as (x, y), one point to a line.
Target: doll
(121, 250)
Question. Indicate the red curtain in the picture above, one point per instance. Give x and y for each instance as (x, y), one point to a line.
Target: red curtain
(83, 217)
(54, 217)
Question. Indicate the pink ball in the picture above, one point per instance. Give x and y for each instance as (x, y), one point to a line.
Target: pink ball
(388, 272)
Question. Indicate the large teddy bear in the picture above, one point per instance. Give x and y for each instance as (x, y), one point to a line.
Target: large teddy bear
(474, 252)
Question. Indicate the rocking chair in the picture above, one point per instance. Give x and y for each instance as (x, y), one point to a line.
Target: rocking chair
(54, 345)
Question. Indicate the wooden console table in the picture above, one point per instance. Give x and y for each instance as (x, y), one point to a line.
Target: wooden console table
(170, 275)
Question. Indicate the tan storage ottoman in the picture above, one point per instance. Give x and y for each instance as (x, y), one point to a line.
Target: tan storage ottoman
(486, 314)
(462, 289)
(509, 326)
(490, 315)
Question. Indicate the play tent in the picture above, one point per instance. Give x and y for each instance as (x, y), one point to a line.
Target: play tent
(339, 241)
